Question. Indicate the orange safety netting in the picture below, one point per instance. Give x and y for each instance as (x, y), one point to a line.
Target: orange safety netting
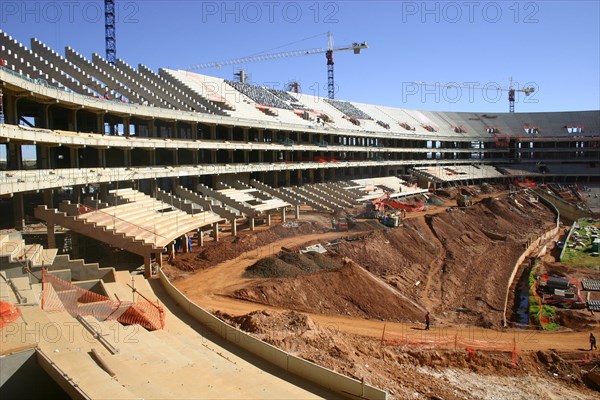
(8, 313)
(60, 295)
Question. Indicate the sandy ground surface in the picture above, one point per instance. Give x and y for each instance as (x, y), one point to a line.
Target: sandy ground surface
(363, 316)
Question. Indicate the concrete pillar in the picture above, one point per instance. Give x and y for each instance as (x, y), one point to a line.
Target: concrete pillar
(159, 259)
(45, 118)
(76, 194)
(15, 158)
(19, 211)
(186, 244)
(200, 238)
(102, 158)
(251, 224)
(216, 231)
(10, 113)
(233, 226)
(283, 214)
(74, 157)
(194, 131)
(213, 132)
(100, 123)
(171, 250)
(127, 157)
(48, 198)
(268, 219)
(51, 235)
(298, 211)
(72, 120)
(147, 267)
(126, 123)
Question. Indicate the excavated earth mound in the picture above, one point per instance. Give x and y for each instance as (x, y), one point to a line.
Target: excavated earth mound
(347, 290)
(291, 264)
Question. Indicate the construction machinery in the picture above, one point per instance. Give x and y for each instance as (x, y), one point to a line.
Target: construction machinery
(340, 224)
(356, 47)
(463, 201)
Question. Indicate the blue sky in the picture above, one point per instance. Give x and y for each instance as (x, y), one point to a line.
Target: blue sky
(552, 46)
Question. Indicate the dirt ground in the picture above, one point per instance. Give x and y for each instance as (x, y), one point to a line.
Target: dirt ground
(376, 282)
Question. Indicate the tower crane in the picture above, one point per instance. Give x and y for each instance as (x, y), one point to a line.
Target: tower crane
(110, 32)
(511, 91)
(356, 47)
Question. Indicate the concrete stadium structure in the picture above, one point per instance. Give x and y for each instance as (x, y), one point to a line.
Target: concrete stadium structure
(189, 152)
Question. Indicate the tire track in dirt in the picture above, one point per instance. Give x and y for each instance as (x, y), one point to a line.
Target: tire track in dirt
(436, 269)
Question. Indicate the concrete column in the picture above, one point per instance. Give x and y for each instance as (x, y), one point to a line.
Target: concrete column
(159, 259)
(251, 224)
(171, 250)
(147, 267)
(126, 121)
(76, 194)
(213, 132)
(186, 245)
(194, 131)
(233, 226)
(127, 157)
(10, 113)
(100, 123)
(102, 158)
(15, 158)
(19, 211)
(45, 119)
(72, 120)
(51, 235)
(288, 178)
(74, 157)
(298, 211)
(216, 231)
(200, 238)
(48, 198)
(268, 219)
(245, 134)
(283, 214)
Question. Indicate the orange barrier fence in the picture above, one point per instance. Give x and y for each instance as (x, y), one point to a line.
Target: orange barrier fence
(8, 313)
(60, 295)
(455, 343)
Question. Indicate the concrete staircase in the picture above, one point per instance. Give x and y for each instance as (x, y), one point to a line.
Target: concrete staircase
(96, 231)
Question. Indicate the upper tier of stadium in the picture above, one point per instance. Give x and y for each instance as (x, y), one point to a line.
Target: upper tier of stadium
(189, 96)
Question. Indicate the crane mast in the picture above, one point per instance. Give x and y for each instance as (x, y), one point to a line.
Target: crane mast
(110, 33)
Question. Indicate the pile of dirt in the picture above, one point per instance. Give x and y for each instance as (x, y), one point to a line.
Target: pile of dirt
(349, 290)
(291, 264)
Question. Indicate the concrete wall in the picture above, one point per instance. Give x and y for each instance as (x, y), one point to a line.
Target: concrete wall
(566, 209)
(328, 379)
(22, 378)
(528, 251)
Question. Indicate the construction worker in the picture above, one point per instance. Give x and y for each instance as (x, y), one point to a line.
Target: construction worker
(427, 321)
(592, 342)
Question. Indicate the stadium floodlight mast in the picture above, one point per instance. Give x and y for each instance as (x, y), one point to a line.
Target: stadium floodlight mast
(511, 90)
(356, 47)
